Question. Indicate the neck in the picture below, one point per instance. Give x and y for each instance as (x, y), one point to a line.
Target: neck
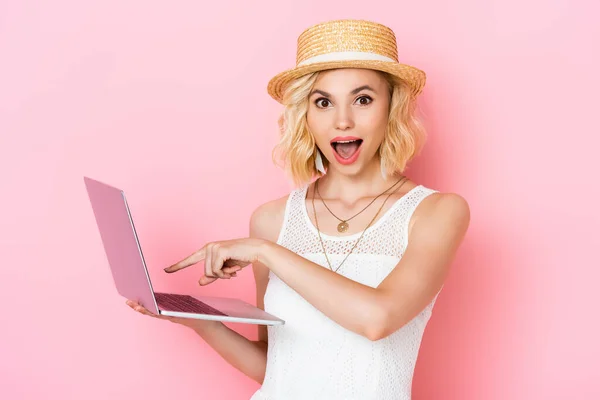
(348, 188)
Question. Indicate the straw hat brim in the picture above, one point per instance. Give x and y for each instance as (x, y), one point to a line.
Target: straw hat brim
(413, 76)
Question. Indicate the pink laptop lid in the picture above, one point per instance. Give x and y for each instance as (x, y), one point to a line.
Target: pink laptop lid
(121, 243)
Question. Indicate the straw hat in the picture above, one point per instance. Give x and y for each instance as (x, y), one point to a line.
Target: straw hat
(347, 44)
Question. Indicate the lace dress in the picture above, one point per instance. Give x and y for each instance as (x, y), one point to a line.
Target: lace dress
(311, 357)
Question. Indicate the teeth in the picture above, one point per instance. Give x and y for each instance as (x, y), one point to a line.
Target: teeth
(346, 141)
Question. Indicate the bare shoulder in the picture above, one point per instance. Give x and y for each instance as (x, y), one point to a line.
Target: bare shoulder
(448, 211)
(266, 220)
(446, 203)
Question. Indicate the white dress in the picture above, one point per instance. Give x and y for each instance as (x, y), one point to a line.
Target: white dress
(311, 357)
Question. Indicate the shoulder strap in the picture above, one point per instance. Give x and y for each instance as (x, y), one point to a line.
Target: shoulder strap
(290, 207)
(412, 203)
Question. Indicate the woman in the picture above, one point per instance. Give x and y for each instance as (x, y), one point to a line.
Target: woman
(355, 295)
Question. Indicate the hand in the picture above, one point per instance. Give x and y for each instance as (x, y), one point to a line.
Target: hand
(196, 324)
(222, 259)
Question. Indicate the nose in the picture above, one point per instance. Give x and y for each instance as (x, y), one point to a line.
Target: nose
(344, 119)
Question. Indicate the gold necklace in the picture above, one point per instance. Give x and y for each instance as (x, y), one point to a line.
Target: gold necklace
(343, 225)
(361, 235)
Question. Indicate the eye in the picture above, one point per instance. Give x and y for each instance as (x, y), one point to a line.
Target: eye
(320, 99)
(368, 98)
(322, 102)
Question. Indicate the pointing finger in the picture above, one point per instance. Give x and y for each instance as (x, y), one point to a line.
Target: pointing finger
(191, 260)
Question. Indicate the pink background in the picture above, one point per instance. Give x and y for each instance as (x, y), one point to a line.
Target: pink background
(167, 100)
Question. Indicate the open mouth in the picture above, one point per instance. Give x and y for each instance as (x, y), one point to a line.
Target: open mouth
(346, 148)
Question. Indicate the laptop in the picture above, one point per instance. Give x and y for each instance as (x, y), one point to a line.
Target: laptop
(130, 273)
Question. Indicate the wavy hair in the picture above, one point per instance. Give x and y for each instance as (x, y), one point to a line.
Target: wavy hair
(404, 138)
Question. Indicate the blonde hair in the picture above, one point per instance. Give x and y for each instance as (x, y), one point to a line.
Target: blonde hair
(404, 138)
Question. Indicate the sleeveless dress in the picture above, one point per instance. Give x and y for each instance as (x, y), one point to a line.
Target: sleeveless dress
(311, 357)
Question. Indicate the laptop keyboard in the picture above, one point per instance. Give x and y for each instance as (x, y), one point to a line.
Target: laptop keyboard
(184, 303)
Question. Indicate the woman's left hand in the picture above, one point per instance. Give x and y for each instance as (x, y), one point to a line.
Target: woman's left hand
(222, 259)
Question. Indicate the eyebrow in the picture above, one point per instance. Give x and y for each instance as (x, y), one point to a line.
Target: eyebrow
(358, 89)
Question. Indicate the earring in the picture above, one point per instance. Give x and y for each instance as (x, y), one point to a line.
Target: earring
(319, 163)
(383, 172)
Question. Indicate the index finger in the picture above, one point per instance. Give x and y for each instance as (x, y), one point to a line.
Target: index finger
(186, 262)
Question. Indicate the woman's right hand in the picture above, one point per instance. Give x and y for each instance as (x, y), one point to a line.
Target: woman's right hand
(198, 325)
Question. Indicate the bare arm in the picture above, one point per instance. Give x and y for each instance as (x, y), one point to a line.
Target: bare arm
(440, 226)
(247, 356)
